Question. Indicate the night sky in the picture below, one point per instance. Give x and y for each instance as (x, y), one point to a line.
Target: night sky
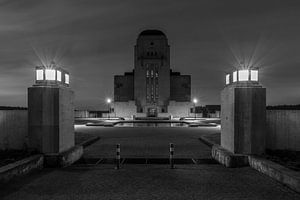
(94, 40)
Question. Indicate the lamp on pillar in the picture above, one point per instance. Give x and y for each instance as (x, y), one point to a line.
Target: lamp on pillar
(51, 110)
(243, 112)
(242, 76)
(51, 76)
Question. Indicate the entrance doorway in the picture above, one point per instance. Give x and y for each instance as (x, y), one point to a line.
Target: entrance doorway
(152, 112)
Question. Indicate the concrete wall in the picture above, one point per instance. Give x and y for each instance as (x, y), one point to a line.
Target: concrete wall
(180, 109)
(243, 118)
(51, 118)
(124, 109)
(283, 129)
(81, 114)
(123, 87)
(180, 87)
(13, 129)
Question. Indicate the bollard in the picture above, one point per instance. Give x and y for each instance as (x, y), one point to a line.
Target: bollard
(118, 157)
(171, 155)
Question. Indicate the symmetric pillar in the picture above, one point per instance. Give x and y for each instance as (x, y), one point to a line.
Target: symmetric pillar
(51, 111)
(243, 113)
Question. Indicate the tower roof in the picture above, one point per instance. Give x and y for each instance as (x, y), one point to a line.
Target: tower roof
(151, 32)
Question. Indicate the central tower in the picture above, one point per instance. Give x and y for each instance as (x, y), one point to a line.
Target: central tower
(152, 72)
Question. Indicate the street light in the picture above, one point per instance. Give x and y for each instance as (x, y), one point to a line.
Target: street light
(195, 102)
(108, 101)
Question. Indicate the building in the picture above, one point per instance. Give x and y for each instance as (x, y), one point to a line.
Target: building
(152, 89)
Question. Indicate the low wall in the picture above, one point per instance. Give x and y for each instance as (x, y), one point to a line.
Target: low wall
(13, 129)
(283, 129)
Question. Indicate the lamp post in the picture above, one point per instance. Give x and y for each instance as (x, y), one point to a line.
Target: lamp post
(195, 102)
(108, 101)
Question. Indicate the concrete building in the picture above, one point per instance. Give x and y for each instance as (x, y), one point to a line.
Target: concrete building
(152, 89)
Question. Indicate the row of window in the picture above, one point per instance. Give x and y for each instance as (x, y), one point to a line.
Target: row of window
(152, 53)
(51, 75)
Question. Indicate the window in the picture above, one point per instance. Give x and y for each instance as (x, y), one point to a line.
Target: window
(67, 77)
(234, 76)
(243, 75)
(58, 75)
(39, 75)
(227, 79)
(254, 75)
(50, 74)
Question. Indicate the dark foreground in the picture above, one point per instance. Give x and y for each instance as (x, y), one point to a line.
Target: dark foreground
(147, 181)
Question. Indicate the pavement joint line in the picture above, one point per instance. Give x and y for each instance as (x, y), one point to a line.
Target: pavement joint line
(123, 160)
(99, 161)
(194, 161)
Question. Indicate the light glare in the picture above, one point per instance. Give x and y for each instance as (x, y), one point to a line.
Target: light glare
(108, 100)
(243, 75)
(39, 75)
(50, 74)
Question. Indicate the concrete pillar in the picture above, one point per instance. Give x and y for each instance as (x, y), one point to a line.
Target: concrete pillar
(243, 117)
(51, 114)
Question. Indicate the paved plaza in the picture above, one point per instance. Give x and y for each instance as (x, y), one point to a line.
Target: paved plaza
(134, 181)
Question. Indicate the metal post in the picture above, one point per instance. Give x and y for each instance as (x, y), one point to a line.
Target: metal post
(171, 155)
(118, 157)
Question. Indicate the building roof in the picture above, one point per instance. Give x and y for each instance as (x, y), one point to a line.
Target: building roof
(150, 32)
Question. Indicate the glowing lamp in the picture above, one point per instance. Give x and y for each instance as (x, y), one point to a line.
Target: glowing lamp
(67, 79)
(58, 75)
(51, 76)
(108, 100)
(227, 79)
(39, 74)
(195, 100)
(243, 75)
(254, 75)
(234, 75)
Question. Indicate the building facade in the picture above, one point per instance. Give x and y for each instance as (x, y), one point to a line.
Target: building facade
(152, 89)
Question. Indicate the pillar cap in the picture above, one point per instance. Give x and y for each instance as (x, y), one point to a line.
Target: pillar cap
(51, 76)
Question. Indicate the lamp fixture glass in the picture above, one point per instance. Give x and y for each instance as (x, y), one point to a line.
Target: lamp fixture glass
(50, 74)
(244, 75)
(254, 75)
(58, 76)
(227, 79)
(67, 79)
(39, 75)
(234, 79)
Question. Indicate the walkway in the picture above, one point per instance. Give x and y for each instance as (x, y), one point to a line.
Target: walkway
(203, 181)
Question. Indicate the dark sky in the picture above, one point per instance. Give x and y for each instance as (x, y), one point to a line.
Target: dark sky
(94, 40)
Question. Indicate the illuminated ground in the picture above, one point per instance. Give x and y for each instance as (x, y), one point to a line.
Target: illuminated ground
(132, 181)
